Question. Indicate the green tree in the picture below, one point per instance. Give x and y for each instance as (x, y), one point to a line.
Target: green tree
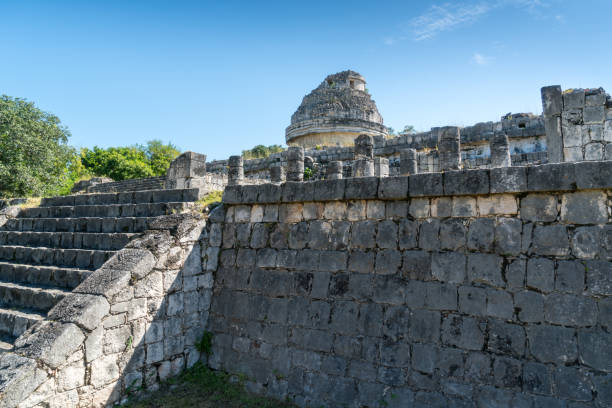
(408, 130)
(122, 163)
(160, 156)
(34, 155)
(261, 151)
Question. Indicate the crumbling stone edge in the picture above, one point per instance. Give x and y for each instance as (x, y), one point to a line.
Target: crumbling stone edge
(91, 350)
(517, 179)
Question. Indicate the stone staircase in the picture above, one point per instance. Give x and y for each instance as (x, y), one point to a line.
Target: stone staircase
(47, 251)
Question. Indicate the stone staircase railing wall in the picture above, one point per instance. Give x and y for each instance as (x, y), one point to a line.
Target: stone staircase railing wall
(151, 183)
(463, 288)
(100, 295)
(130, 324)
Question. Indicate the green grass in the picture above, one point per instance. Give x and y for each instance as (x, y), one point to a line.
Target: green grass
(204, 388)
(210, 198)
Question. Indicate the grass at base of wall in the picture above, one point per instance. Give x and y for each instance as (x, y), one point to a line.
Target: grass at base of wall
(202, 387)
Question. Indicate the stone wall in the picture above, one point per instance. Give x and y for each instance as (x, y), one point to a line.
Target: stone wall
(151, 183)
(131, 324)
(486, 288)
(525, 131)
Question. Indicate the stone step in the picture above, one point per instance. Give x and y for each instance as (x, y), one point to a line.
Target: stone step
(81, 224)
(37, 298)
(79, 258)
(66, 240)
(130, 197)
(14, 322)
(105, 211)
(42, 275)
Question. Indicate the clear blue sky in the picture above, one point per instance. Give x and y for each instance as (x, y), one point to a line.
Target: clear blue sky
(218, 77)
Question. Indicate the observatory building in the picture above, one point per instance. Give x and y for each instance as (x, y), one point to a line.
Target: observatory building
(335, 113)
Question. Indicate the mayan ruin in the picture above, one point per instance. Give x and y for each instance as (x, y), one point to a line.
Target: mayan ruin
(305, 205)
(470, 262)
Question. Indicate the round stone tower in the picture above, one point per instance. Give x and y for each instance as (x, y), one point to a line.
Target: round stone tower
(335, 113)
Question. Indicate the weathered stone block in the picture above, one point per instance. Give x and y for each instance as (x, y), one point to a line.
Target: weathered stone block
(464, 207)
(584, 207)
(594, 114)
(596, 348)
(481, 234)
(598, 275)
(570, 310)
(361, 188)
(551, 177)
(466, 182)
(472, 300)
(462, 332)
(441, 207)
(485, 268)
(393, 188)
(419, 207)
(508, 179)
(499, 304)
(452, 234)
(552, 344)
(550, 240)
(539, 207)
(508, 236)
(424, 326)
(327, 190)
(429, 235)
(425, 184)
(448, 266)
(541, 274)
(586, 242)
(593, 175)
(388, 261)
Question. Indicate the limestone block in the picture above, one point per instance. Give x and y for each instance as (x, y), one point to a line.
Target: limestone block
(361, 188)
(531, 305)
(335, 210)
(508, 236)
(573, 136)
(104, 370)
(84, 310)
(497, 204)
(419, 207)
(325, 190)
(573, 154)
(570, 277)
(552, 102)
(356, 210)
(506, 338)
(441, 207)
(596, 132)
(290, 213)
(595, 347)
(594, 151)
(52, 342)
(393, 188)
(541, 274)
(481, 234)
(462, 332)
(573, 98)
(570, 310)
(508, 179)
(552, 344)
(464, 207)
(485, 268)
(594, 114)
(539, 207)
(584, 207)
(425, 184)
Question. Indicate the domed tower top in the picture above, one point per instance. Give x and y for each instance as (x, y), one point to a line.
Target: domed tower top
(335, 113)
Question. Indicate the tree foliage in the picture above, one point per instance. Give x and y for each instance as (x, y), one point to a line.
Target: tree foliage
(138, 161)
(261, 151)
(35, 159)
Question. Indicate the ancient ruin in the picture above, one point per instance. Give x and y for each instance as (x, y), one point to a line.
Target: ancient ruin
(459, 267)
(335, 113)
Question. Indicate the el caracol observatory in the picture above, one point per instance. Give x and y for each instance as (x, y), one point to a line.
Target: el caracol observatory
(335, 113)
